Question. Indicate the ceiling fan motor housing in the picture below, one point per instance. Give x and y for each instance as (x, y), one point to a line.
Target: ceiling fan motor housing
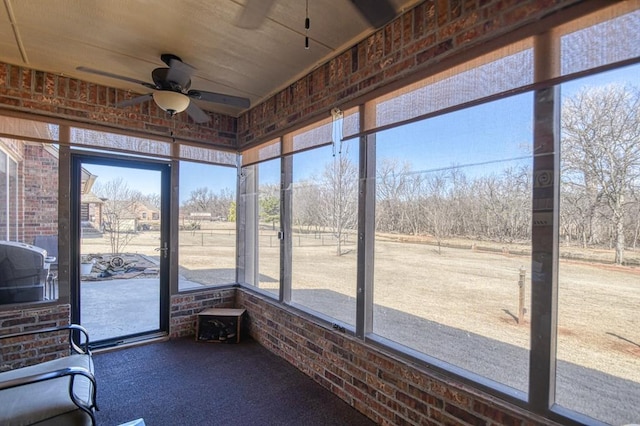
(160, 78)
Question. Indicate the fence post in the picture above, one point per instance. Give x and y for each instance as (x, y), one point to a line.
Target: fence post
(521, 281)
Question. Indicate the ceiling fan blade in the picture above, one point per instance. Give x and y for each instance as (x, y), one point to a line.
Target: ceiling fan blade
(180, 73)
(197, 114)
(376, 12)
(254, 14)
(134, 101)
(116, 76)
(219, 98)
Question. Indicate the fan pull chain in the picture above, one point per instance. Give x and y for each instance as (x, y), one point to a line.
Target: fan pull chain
(307, 25)
(173, 130)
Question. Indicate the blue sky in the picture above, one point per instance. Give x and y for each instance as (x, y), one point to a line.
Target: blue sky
(192, 176)
(471, 136)
(146, 181)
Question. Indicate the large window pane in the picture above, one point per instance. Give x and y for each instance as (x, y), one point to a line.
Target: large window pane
(262, 224)
(4, 196)
(14, 205)
(28, 220)
(207, 229)
(453, 238)
(598, 368)
(324, 224)
(120, 223)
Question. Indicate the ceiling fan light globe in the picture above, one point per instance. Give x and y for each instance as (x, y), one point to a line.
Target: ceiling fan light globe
(172, 102)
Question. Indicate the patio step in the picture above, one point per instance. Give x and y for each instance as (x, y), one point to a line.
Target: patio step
(88, 231)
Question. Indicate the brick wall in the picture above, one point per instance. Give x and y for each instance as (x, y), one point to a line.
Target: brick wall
(384, 388)
(184, 308)
(16, 353)
(51, 95)
(432, 31)
(40, 192)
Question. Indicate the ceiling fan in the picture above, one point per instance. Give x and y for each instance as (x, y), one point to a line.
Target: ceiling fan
(376, 12)
(171, 89)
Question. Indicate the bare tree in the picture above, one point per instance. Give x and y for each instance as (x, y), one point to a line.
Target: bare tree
(438, 207)
(340, 196)
(391, 181)
(204, 201)
(601, 150)
(153, 200)
(200, 200)
(634, 219)
(413, 211)
(306, 199)
(118, 212)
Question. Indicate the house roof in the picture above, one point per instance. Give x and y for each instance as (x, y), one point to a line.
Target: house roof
(92, 198)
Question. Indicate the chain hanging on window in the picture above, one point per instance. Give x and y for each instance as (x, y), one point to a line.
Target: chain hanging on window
(336, 135)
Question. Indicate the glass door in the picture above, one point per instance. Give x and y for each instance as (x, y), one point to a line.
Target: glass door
(120, 261)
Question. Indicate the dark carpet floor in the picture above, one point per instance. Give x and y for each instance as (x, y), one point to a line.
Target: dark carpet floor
(182, 382)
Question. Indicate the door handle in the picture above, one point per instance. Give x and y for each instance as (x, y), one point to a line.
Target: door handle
(164, 250)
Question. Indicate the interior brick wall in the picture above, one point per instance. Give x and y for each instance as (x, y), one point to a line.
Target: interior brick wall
(51, 95)
(19, 352)
(427, 34)
(386, 389)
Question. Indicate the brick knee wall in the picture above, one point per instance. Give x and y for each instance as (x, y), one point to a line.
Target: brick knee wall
(184, 308)
(20, 352)
(16, 353)
(384, 388)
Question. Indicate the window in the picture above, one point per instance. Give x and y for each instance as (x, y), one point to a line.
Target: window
(207, 230)
(599, 286)
(9, 203)
(28, 219)
(261, 200)
(324, 231)
(453, 238)
(4, 196)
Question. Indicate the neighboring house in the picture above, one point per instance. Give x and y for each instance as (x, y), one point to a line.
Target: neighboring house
(91, 205)
(129, 215)
(146, 214)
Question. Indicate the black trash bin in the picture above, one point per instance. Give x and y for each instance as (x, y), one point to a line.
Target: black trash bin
(23, 272)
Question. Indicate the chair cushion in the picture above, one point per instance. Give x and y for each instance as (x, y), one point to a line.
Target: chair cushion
(45, 401)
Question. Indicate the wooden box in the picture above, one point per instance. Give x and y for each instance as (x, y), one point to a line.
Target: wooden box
(219, 325)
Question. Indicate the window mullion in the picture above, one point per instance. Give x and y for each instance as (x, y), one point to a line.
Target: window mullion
(366, 229)
(545, 220)
(285, 228)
